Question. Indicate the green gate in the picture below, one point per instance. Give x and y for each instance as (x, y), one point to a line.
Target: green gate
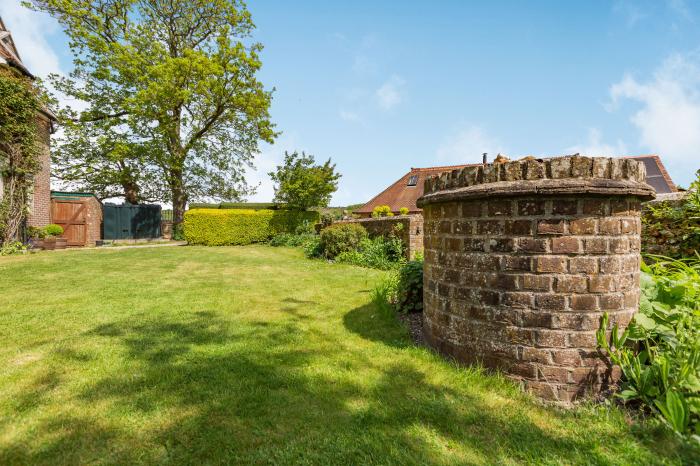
(128, 221)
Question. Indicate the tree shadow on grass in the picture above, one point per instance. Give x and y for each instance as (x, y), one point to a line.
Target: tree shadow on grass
(206, 391)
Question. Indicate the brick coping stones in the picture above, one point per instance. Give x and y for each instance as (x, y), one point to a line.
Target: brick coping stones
(523, 258)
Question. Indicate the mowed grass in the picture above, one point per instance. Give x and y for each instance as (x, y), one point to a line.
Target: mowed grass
(256, 355)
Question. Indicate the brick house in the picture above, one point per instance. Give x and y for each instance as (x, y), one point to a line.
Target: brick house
(40, 205)
(407, 189)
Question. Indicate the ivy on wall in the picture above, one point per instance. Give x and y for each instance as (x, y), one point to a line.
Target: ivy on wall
(20, 102)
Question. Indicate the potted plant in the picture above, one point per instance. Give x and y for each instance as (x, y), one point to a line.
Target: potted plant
(36, 237)
(52, 238)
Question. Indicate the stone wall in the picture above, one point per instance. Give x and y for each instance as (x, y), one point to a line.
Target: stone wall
(410, 231)
(523, 258)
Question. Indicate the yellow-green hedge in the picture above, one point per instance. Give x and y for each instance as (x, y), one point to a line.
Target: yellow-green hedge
(214, 227)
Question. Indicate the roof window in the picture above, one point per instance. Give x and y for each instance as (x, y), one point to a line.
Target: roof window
(413, 180)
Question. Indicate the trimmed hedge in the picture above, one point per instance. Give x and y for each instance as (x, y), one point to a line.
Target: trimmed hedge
(238, 205)
(220, 227)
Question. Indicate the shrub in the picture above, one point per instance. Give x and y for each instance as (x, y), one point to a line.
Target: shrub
(409, 289)
(218, 227)
(326, 220)
(341, 237)
(53, 230)
(11, 248)
(382, 211)
(312, 247)
(659, 352)
(403, 211)
(291, 240)
(378, 253)
(672, 228)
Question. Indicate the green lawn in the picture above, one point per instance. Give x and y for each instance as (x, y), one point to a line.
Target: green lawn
(256, 355)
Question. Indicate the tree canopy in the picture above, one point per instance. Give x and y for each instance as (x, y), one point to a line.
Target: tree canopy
(301, 184)
(170, 88)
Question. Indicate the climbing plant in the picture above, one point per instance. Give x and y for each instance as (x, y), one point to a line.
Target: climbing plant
(20, 101)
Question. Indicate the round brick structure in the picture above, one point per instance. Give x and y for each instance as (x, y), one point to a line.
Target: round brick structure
(523, 258)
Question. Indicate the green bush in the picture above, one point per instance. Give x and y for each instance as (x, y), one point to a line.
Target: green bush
(291, 239)
(672, 228)
(377, 253)
(53, 230)
(659, 352)
(219, 227)
(409, 290)
(403, 211)
(11, 248)
(341, 237)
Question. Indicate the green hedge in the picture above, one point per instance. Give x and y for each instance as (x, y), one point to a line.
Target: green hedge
(237, 205)
(220, 227)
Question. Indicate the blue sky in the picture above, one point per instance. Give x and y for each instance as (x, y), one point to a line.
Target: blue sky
(384, 86)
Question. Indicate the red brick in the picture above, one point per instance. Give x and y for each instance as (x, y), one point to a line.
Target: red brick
(551, 227)
(618, 246)
(611, 302)
(538, 355)
(519, 263)
(471, 209)
(517, 300)
(500, 207)
(551, 338)
(609, 226)
(531, 207)
(571, 284)
(587, 265)
(564, 207)
(602, 283)
(532, 245)
(567, 357)
(550, 264)
(595, 246)
(594, 206)
(610, 264)
(584, 303)
(550, 302)
(629, 226)
(518, 227)
(566, 245)
(490, 227)
(583, 226)
(536, 282)
(462, 227)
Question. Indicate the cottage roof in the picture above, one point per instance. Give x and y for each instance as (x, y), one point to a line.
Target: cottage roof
(407, 189)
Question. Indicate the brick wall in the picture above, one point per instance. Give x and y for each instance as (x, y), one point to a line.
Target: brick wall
(411, 231)
(40, 209)
(523, 258)
(93, 219)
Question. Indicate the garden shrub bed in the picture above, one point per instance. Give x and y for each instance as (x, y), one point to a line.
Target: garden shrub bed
(220, 227)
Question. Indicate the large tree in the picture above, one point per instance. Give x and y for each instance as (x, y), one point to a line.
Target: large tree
(301, 184)
(177, 80)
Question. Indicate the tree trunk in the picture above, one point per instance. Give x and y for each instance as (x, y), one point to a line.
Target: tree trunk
(179, 198)
(131, 193)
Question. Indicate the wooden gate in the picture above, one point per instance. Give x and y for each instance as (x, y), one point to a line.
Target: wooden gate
(71, 215)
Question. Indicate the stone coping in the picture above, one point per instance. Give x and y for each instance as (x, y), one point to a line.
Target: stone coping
(560, 175)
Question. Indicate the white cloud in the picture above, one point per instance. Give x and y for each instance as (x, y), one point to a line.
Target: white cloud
(668, 118)
(467, 146)
(596, 147)
(389, 94)
(29, 31)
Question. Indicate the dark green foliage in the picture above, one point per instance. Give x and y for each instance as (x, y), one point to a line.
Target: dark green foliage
(672, 228)
(218, 227)
(340, 238)
(20, 103)
(659, 352)
(301, 184)
(409, 291)
(383, 253)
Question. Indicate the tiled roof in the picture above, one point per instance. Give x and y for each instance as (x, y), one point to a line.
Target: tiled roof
(400, 194)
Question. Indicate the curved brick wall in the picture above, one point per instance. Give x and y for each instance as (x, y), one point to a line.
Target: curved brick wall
(521, 260)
